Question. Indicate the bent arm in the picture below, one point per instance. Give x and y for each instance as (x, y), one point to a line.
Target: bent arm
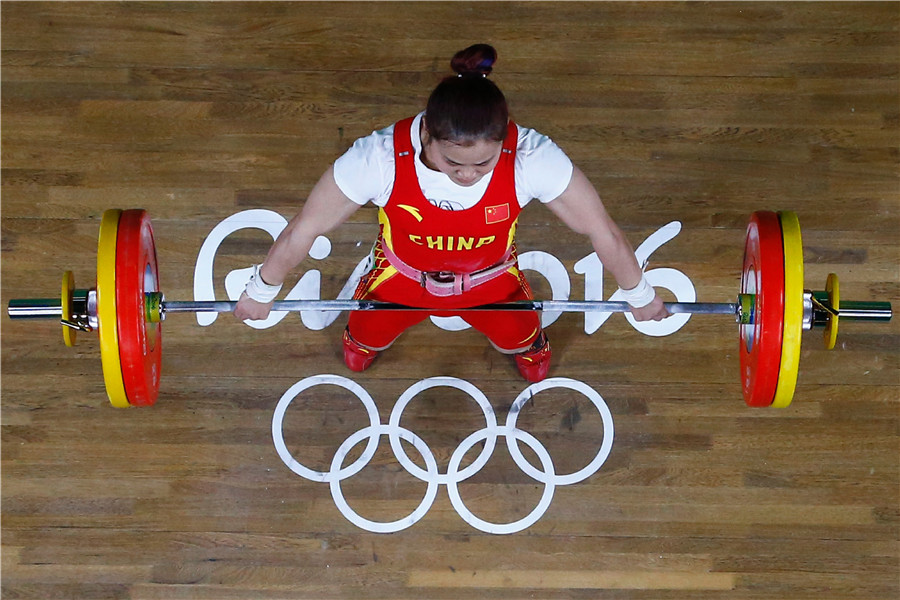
(326, 208)
(580, 207)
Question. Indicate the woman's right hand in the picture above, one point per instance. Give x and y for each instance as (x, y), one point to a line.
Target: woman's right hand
(247, 308)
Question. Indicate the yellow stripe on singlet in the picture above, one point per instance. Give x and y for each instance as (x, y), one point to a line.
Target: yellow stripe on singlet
(512, 233)
(388, 272)
(385, 223)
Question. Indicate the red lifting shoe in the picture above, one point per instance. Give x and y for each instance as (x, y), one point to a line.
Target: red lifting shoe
(356, 357)
(534, 363)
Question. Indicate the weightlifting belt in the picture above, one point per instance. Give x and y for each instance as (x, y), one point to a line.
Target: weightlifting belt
(448, 283)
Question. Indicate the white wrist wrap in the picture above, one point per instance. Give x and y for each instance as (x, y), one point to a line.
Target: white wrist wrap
(259, 290)
(639, 296)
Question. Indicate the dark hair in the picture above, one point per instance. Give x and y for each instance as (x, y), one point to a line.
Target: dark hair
(468, 107)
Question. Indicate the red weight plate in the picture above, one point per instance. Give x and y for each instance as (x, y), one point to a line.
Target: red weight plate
(763, 276)
(140, 342)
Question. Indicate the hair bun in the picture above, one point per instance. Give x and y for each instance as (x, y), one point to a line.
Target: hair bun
(474, 60)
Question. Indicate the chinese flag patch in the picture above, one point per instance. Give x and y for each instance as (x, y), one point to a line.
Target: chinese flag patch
(496, 214)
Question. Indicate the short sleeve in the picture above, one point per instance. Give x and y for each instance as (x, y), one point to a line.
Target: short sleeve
(365, 172)
(543, 170)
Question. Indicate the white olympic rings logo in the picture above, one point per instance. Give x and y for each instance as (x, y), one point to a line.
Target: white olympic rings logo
(431, 474)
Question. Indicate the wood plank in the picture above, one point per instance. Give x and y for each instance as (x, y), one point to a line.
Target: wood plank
(693, 112)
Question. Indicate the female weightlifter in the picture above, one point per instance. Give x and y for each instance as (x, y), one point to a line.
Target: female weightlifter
(449, 184)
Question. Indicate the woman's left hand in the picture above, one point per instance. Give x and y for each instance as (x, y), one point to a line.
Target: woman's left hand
(655, 311)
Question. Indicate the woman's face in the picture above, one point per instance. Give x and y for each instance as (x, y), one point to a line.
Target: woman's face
(464, 164)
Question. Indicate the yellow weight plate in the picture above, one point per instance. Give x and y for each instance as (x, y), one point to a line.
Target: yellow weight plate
(833, 289)
(793, 309)
(68, 285)
(106, 309)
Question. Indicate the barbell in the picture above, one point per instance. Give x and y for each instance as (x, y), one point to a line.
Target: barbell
(126, 308)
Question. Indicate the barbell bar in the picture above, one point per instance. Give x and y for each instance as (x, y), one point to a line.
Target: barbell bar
(50, 308)
(127, 308)
(40, 308)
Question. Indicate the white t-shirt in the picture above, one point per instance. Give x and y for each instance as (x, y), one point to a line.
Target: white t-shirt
(365, 173)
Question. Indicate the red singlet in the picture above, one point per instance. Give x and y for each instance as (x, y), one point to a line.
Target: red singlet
(432, 239)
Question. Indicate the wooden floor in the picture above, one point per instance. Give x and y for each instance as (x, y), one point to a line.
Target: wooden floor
(698, 113)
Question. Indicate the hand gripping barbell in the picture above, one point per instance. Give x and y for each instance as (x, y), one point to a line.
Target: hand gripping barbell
(127, 308)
